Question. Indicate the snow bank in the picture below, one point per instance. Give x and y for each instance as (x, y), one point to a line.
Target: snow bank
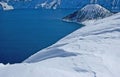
(92, 51)
(5, 6)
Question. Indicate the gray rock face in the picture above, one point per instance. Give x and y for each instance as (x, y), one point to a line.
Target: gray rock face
(89, 12)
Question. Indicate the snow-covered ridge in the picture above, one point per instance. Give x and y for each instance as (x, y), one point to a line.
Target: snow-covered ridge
(112, 5)
(53, 4)
(5, 6)
(48, 4)
(92, 51)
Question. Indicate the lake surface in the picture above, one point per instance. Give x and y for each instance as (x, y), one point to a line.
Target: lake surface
(24, 32)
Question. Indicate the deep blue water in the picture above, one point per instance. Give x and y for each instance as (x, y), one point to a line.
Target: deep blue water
(24, 32)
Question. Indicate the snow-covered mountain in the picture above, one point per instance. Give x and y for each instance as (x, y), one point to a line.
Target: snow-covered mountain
(89, 12)
(91, 51)
(5, 6)
(53, 4)
(113, 5)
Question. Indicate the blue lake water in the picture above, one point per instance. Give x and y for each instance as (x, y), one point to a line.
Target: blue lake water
(24, 32)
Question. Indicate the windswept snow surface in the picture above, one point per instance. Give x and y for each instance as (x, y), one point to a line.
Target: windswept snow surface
(92, 51)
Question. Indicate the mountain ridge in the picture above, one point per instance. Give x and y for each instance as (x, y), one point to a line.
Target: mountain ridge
(112, 5)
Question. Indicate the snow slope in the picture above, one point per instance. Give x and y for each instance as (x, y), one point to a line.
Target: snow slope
(92, 51)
